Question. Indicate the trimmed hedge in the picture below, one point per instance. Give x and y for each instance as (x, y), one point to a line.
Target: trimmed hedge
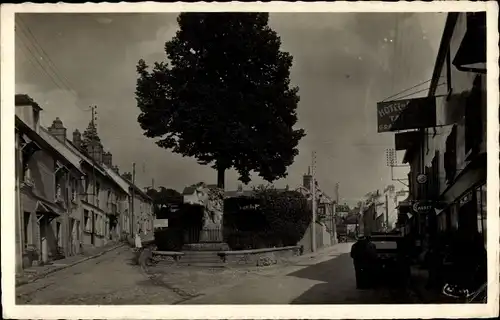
(280, 219)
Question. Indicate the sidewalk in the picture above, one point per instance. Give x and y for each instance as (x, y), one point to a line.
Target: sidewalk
(36, 272)
(419, 280)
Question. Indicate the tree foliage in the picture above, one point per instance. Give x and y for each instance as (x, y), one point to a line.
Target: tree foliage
(284, 217)
(163, 200)
(225, 99)
(90, 135)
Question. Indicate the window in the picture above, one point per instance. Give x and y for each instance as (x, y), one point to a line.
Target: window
(59, 234)
(99, 224)
(481, 211)
(87, 223)
(74, 189)
(97, 192)
(77, 230)
(86, 183)
(474, 126)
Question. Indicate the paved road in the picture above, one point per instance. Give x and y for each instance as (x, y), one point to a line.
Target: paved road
(326, 278)
(329, 281)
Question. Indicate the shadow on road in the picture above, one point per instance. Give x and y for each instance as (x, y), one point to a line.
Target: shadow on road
(339, 285)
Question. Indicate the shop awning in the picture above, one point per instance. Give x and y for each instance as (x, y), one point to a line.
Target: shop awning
(46, 209)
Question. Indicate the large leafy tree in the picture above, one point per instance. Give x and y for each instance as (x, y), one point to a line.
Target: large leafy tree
(225, 98)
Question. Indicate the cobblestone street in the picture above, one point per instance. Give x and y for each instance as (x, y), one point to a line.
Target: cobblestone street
(109, 279)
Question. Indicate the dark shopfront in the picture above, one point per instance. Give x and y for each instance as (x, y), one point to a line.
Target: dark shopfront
(466, 215)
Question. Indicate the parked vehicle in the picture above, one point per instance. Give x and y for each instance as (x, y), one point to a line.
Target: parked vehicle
(393, 265)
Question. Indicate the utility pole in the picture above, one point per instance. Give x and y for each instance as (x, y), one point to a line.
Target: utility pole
(337, 196)
(153, 183)
(387, 212)
(313, 191)
(94, 189)
(132, 211)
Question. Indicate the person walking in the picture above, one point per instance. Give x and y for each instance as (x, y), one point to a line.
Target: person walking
(363, 253)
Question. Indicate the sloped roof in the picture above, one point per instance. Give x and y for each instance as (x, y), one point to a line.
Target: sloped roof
(51, 145)
(25, 100)
(122, 183)
(189, 190)
(61, 148)
(85, 158)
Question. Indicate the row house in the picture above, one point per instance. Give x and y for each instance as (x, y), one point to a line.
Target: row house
(102, 192)
(447, 179)
(143, 209)
(70, 197)
(48, 180)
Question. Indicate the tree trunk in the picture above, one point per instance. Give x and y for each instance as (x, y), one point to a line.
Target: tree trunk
(220, 177)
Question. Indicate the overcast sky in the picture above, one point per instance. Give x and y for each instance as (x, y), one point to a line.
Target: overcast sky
(343, 64)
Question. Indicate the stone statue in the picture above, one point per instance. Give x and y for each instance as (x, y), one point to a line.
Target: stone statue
(214, 207)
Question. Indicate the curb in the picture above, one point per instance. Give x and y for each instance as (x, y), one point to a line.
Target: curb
(46, 273)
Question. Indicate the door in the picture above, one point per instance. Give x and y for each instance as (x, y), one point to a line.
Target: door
(71, 239)
(92, 230)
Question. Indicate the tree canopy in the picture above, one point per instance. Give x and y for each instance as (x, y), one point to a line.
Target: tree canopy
(225, 99)
(163, 200)
(89, 135)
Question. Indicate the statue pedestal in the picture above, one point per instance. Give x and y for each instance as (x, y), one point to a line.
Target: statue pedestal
(211, 239)
(211, 235)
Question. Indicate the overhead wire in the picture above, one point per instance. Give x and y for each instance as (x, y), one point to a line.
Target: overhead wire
(35, 45)
(37, 56)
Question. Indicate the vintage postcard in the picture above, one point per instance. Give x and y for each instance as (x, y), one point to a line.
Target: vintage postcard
(250, 160)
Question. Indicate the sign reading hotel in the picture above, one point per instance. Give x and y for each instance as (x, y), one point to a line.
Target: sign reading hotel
(406, 114)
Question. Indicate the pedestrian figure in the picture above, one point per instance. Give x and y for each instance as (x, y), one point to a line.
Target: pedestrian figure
(363, 253)
(138, 242)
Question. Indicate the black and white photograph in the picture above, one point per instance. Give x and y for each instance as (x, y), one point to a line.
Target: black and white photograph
(251, 157)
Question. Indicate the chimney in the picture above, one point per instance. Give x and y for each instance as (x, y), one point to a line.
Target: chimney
(116, 169)
(28, 111)
(77, 139)
(58, 130)
(127, 176)
(107, 159)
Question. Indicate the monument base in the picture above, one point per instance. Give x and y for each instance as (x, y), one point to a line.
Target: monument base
(206, 246)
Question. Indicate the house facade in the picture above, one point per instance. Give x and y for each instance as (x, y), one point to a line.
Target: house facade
(448, 161)
(141, 207)
(48, 180)
(69, 196)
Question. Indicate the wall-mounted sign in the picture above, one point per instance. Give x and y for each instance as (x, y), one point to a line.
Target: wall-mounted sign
(422, 178)
(406, 114)
(422, 207)
(406, 140)
(160, 223)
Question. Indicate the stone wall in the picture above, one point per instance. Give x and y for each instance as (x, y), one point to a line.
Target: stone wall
(259, 257)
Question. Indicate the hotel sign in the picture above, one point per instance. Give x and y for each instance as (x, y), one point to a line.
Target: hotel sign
(406, 114)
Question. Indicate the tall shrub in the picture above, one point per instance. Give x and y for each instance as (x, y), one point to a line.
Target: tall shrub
(287, 215)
